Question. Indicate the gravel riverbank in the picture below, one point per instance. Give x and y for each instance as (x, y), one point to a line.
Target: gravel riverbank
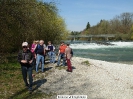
(94, 78)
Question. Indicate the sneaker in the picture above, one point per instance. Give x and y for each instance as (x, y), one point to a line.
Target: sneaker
(27, 86)
(30, 91)
(57, 65)
(37, 72)
(68, 70)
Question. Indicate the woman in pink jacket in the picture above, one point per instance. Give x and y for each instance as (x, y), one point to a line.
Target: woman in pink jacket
(33, 46)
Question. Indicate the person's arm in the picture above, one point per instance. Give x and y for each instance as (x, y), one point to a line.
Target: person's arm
(20, 60)
(44, 51)
(24, 61)
(59, 52)
(65, 52)
(46, 48)
(31, 60)
(19, 56)
(35, 55)
(35, 47)
(35, 50)
(53, 48)
(32, 46)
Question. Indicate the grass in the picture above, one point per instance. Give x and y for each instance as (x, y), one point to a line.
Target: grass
(86, 63)
(61, 67)
(10, 79)
(12, 85)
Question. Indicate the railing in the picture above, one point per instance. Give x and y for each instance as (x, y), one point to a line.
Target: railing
(106, 36)
(99, 35)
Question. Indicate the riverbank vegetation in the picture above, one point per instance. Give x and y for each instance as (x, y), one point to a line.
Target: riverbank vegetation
(28, 20)
(12, 85)
(24, 20)
(121, 26)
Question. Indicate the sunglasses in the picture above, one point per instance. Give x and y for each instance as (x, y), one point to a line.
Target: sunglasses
(24, 46)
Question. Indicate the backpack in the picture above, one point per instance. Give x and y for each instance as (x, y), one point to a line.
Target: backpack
(71, 52)
(39, 49)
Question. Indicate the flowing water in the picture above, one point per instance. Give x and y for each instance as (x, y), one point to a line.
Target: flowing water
(121, 52)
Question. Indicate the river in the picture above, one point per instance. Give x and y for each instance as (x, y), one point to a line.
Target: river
(121, 52)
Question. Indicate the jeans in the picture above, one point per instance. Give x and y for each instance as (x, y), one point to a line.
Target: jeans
(51, 55)
(61, 56)
(39, 58)
(25, 71)
(34, 64)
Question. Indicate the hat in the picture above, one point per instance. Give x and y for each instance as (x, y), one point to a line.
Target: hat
(24, 44)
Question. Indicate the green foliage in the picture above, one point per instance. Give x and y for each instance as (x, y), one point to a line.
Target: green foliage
(88, 26)
(131, 32)
(61, 67)
(121, 26)
(28, 20)
(12, 85)
(86, 63)
(75, 33)
(123, 37)
(7, 57)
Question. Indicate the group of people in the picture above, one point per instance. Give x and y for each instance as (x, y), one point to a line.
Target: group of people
(32, 56)
(65, 53)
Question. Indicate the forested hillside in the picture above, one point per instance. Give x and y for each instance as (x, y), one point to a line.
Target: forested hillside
(28, 20)
(121, 26)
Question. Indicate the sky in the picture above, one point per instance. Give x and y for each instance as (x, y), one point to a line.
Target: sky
(77, 13)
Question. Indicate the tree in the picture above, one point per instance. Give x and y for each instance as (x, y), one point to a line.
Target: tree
(126, 20)
(131, 32)
(119, 25)
(88, 26)
(28, 20)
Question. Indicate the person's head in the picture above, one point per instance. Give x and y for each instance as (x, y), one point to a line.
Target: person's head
(41, 42)
(37, 41)
(25, 46)
(34, 42)
(49, 42)
(62, 43)
(67, 44)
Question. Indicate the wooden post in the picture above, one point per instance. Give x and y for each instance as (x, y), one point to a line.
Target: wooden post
(74, 38)
(107, 39)
(91, 39)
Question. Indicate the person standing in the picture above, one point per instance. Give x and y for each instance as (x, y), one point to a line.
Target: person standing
(37, 42)
(51, 52)
(61, 54)
(25, 58)
(68, 54)
(33, 46)
(40, 55)
(32, 49)
(44, 45)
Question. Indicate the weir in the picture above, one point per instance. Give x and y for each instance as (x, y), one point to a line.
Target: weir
(97, 42)
(90, 37)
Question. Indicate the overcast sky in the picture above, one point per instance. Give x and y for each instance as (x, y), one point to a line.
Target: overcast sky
(77, 13)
